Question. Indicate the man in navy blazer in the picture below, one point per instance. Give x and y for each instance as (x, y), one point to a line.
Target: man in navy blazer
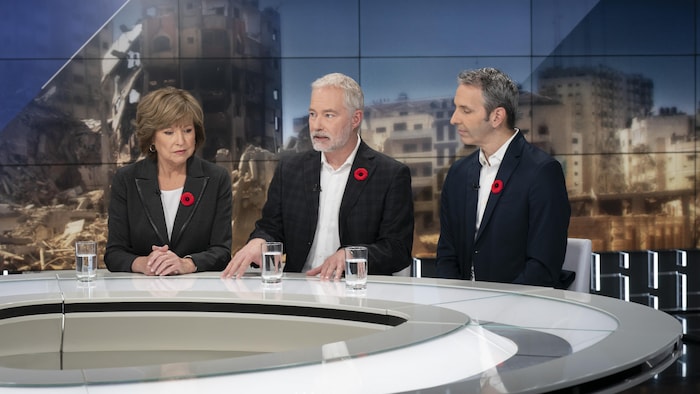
(340, 194)
(505, 211)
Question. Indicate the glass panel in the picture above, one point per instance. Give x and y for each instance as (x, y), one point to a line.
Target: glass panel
(317, 28)
(607, 104)
(24, 78)
(612, 27)
(445, 28)
(51, 29)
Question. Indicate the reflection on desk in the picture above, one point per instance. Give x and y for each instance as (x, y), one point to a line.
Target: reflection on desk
(305, 335)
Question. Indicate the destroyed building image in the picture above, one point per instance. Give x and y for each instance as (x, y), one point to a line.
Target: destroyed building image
(623, 126)
(58, 154)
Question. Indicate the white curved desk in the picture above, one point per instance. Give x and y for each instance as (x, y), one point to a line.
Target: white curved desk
(201, 333)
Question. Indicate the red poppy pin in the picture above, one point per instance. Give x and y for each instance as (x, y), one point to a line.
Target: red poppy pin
(187, 199)
(496, 186)
(361, 174)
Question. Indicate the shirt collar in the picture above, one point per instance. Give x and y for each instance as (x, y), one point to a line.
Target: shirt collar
(350, 158)
(496, 158)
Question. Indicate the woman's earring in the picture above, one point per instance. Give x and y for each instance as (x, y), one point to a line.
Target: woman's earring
(152, 148)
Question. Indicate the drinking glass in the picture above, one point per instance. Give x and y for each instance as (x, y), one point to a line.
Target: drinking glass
(86, 260)
(356, 267)
(272, 265)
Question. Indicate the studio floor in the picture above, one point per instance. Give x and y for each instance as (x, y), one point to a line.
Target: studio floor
(683, 376)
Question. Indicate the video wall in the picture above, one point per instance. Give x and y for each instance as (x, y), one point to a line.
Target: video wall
(608, 87)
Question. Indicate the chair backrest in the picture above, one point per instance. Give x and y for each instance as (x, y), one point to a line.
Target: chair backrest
(412, 270)
(404, 272)
(578, 259)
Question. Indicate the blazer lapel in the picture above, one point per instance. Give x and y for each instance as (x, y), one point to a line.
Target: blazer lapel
(363, 159)
(472, 193)
(510, 162)
(195, 183)
(149, 193)
(312, 183)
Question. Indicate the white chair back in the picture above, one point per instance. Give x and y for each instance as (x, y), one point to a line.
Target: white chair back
(413, 270)
(578, 259)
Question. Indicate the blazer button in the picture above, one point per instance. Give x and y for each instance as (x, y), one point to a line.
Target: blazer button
(476, 252)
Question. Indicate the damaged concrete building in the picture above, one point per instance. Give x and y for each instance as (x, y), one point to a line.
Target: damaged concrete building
(59, 153)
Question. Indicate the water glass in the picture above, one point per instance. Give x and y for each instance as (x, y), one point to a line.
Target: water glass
(356, 267)
(86, 260)
(272, 264)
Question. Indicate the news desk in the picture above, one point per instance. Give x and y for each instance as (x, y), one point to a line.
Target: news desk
(199, 333)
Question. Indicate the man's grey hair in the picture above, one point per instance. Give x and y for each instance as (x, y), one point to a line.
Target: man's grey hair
(354, 98)
(498, 90)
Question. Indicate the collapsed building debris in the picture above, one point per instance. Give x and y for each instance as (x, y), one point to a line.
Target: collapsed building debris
(42, 238)
(250, 182)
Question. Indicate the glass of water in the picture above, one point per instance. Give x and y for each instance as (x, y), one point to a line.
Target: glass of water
(356, 267)
(86, 260)
(272, 264)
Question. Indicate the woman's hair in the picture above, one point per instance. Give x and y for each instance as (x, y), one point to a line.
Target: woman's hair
(497, 89)
(354, 98)
(164, 108)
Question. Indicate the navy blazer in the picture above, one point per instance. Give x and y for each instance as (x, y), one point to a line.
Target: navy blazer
(376, 212)
(523, 233)
(136, 219)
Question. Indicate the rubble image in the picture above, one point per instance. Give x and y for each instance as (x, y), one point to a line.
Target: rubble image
(59, 153)
(623, 127)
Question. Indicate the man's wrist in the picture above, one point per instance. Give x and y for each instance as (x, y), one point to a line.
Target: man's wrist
(192, 260)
